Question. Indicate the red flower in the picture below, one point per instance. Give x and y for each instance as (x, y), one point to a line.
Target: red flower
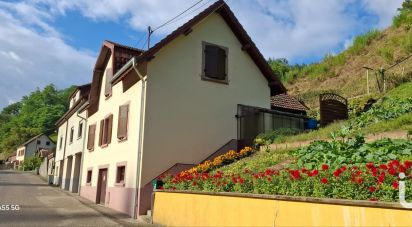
(372, 189)
(269, 179)
(395, 184)
(358, 173)
(392, 171)
(241, 180)
(402, 168)
(324, 180)
(314, 173)
(295, 174)
(161, 187)
(194, 183)
(325, 167)
(383, 166)
(360, 180)
(173, 188)
(374, 171)
(268, 172)
(370, 165)
(408, 164)
(337, 172)
(381, 177)
(234, 180)
(304, 170)
(255, 176)
(343, 168)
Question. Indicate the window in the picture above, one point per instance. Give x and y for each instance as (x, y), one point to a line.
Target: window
(89, 177)
(91, 137)
(105, 136)
(214, 66)
(80, 130)
(71, 134)
(61, 142)
(47, 143)
(108, 84)
(38, 142)
(120, 174)
(123, 121)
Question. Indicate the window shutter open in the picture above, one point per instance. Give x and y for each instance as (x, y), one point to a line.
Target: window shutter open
(122, 123)
(108, 84)
(109, 129)
(101, 132)
(91, 137)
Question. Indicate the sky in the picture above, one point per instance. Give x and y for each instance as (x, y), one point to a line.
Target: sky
(57, 41)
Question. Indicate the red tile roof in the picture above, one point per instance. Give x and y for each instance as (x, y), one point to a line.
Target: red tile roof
(285, 101)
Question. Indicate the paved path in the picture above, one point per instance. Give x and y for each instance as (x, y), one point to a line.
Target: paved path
(43, 205)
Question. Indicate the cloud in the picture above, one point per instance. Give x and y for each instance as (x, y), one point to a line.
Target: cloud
(33, 54)
(386, 9)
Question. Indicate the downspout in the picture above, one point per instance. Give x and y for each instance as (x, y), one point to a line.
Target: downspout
(84, 140)
(140, 143)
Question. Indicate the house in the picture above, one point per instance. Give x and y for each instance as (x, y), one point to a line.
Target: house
(173, 105)
(44, 165)
(32, 146)
(71, 136)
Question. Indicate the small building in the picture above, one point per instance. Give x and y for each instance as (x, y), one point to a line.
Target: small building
(288, 103)
(33, 145)
(71, 136)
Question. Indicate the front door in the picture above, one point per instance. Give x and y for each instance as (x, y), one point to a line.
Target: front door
(102, 184)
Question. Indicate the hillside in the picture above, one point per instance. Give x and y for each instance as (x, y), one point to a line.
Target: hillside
(344, 73)
(34, 114)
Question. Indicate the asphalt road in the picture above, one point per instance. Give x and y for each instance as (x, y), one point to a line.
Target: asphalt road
(41, 205)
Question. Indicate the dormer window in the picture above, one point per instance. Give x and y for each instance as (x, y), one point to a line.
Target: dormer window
(214, 65)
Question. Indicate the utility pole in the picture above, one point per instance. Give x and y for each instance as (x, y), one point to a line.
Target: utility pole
(149, 36)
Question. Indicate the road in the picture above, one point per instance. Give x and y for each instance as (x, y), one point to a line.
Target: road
(42, 205)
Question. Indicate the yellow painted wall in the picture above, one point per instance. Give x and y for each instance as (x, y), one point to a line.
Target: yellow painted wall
(186, 117)
(180, 209)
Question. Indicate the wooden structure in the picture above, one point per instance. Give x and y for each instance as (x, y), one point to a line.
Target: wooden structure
(333, 107)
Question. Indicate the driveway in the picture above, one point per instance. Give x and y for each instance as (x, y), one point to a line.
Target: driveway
(39, 204)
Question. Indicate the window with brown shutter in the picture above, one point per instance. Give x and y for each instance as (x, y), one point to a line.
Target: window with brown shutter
(105, 136)
(122, 122)
(214, 64)
(91, 137)
(108, 84)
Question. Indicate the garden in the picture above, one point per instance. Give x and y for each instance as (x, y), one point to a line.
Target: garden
(344, 167)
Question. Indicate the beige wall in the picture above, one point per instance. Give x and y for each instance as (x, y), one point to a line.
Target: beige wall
(77, 145)
(117, 151)
(61, 133)
(188, 118)
(20, 150)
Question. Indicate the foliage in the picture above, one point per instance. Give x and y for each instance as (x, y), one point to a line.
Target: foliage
(34, 114)
(284, 70)
(275, 136)
(386, 53)
(351, 151)
(362, 182)
(404, 17)
(31, 163)
(362, 41)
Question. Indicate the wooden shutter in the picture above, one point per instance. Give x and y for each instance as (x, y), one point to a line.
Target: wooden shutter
(211, 55)
(109, 129)
(221, 64)
(91, 137)
(122, 122)
(108, 84)
(101, 132)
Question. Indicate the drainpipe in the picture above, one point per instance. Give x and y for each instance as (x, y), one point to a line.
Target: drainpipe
(140, 143)
(84, 141)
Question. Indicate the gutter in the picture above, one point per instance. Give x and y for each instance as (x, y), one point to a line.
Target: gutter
(84, 140)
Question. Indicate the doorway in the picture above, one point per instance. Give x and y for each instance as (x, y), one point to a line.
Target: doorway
(101, 187)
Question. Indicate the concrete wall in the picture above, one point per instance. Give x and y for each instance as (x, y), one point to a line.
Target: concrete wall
(188, 118)
(234, 209)
(44, 167)
(61, 136)
(119, 197)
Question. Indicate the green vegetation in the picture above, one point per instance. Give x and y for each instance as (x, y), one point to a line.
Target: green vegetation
(275, 136)
(404, 17)
(34, 114)
(31, 163)
(386, 53)
(362, 41)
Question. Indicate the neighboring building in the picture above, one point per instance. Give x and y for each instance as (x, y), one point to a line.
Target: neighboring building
(175, 103)
(287, 103)
(32, 146)
(44, 166)
(71, 137)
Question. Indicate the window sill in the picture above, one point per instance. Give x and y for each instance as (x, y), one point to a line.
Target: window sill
(88, 184)
(119, 184)
(205, 78)
(104, 145)
(90, 150)
(108, 97)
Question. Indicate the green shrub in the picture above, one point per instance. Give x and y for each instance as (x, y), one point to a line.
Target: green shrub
(386, 53)
(31, 163)
(361, 41)
(407, 44)
(275, 136)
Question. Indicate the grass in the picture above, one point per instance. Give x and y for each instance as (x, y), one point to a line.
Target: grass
(403, 122)
(386, 53)
(401, 92)
(260, 161)
(361, 41)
